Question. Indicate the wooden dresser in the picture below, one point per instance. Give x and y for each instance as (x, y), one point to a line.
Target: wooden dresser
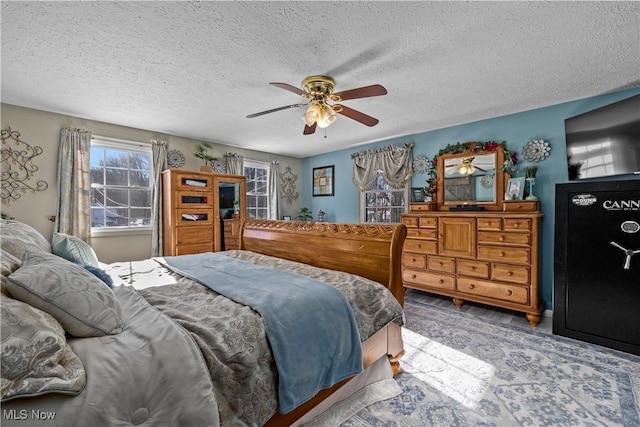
(486, 257)
(194, 205)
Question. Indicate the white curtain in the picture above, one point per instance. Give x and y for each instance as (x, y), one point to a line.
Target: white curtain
(233, 162)
(395, 162)
(274, 191)
(73, 212)
(159, 153)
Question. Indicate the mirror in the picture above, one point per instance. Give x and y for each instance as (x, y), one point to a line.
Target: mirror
(471, 179)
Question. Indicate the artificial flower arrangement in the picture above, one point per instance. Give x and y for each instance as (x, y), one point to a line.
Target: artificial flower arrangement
(509, 165)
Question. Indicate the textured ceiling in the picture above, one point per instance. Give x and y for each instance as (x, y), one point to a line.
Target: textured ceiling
(197, 69)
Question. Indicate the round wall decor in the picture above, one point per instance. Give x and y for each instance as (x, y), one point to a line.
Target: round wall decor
(420, 164)
(486, 181)
(218, 166)
(536, 150)
(175, 159)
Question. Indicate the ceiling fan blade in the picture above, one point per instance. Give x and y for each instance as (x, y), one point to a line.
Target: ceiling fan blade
(308, 130)
(273, 110)
(358, 116)
(288, 87)
(362, 92)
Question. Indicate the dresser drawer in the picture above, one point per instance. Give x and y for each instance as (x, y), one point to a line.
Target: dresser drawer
(467, 267)
(410, 221)
(520, 206)
(424, 233)
(498, 253)
(423, 279)
(510, 273)
(194, 249)
(428, 222)
(498, 237)
(193, 199)
(517, 224)
(193, 182)
(422, 246)
(414, 260)
(489, 224)
(193, 235)
(512, 293)
(421, 207)
(441, 264)
(194, 217)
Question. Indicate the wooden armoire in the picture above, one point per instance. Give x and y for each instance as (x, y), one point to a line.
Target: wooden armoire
(201, 211)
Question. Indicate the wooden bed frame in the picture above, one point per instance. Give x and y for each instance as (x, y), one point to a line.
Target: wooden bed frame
(372, 251)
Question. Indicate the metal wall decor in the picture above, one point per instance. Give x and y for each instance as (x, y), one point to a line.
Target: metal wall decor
(421, 164)
(175, 159)
(536, 150)
(18, 169)
(288, 187)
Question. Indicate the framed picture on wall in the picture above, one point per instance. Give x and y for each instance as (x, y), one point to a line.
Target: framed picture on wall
(515, 189)
(323, 181)
(417, 194)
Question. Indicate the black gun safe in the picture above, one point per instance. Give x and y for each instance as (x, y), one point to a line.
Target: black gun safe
(597, 263)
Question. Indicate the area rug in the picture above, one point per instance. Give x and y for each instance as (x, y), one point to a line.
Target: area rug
(460, 370)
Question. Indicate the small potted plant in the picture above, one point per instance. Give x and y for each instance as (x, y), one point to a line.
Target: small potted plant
(201, 152)
(305, 214)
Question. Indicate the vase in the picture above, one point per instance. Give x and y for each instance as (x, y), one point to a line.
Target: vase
(206, 168)
(531, 182)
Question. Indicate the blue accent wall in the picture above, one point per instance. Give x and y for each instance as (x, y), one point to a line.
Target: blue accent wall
(516, 129)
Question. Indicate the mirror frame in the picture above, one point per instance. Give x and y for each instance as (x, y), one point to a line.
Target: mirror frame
(471, 151)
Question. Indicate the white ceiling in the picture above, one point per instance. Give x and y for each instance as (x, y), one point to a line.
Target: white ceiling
(197, 69)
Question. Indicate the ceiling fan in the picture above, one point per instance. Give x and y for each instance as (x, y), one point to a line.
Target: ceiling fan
(323, 104)
(465, 167)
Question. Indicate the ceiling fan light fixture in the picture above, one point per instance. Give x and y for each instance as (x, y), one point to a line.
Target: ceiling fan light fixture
(312, 115)
(327, 117)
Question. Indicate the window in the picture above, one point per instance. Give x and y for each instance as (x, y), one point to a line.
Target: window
(382, 203)
(121, 187)
(257, 174)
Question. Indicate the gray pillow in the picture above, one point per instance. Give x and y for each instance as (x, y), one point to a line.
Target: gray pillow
(73, 249)
(8, 264)
(82, 303)
(36, 358)
(18, 238)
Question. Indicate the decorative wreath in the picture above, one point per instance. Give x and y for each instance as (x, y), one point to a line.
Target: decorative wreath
(421, 164)
(175, 159)
(536, 150)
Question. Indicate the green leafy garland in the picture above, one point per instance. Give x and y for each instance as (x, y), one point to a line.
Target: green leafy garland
(509, 165)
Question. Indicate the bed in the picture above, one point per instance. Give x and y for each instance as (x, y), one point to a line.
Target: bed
(183, 354)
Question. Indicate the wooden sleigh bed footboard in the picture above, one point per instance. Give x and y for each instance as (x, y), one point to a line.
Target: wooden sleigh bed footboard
(368, 250)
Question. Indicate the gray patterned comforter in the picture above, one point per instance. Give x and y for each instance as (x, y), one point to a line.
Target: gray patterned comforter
(232, 336)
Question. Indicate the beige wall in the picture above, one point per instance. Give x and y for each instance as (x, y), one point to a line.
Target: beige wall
(41, 128)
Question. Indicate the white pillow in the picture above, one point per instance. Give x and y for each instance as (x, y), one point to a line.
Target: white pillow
(83, 304)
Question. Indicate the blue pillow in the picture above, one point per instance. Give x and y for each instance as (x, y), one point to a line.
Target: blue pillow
(99, 273)
(73, 249)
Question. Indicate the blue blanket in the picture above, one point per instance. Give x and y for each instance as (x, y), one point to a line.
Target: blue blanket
(310, 326)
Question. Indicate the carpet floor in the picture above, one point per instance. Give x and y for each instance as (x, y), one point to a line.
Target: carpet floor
(463, 370)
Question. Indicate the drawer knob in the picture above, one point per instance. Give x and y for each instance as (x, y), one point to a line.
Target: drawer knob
(441, 263)
(502, 253)
(501, 238)
(441, 281)
(413, 276)
(413, 259)
(473, 268)
(510, 273)
(471, 286)
(509, 292)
